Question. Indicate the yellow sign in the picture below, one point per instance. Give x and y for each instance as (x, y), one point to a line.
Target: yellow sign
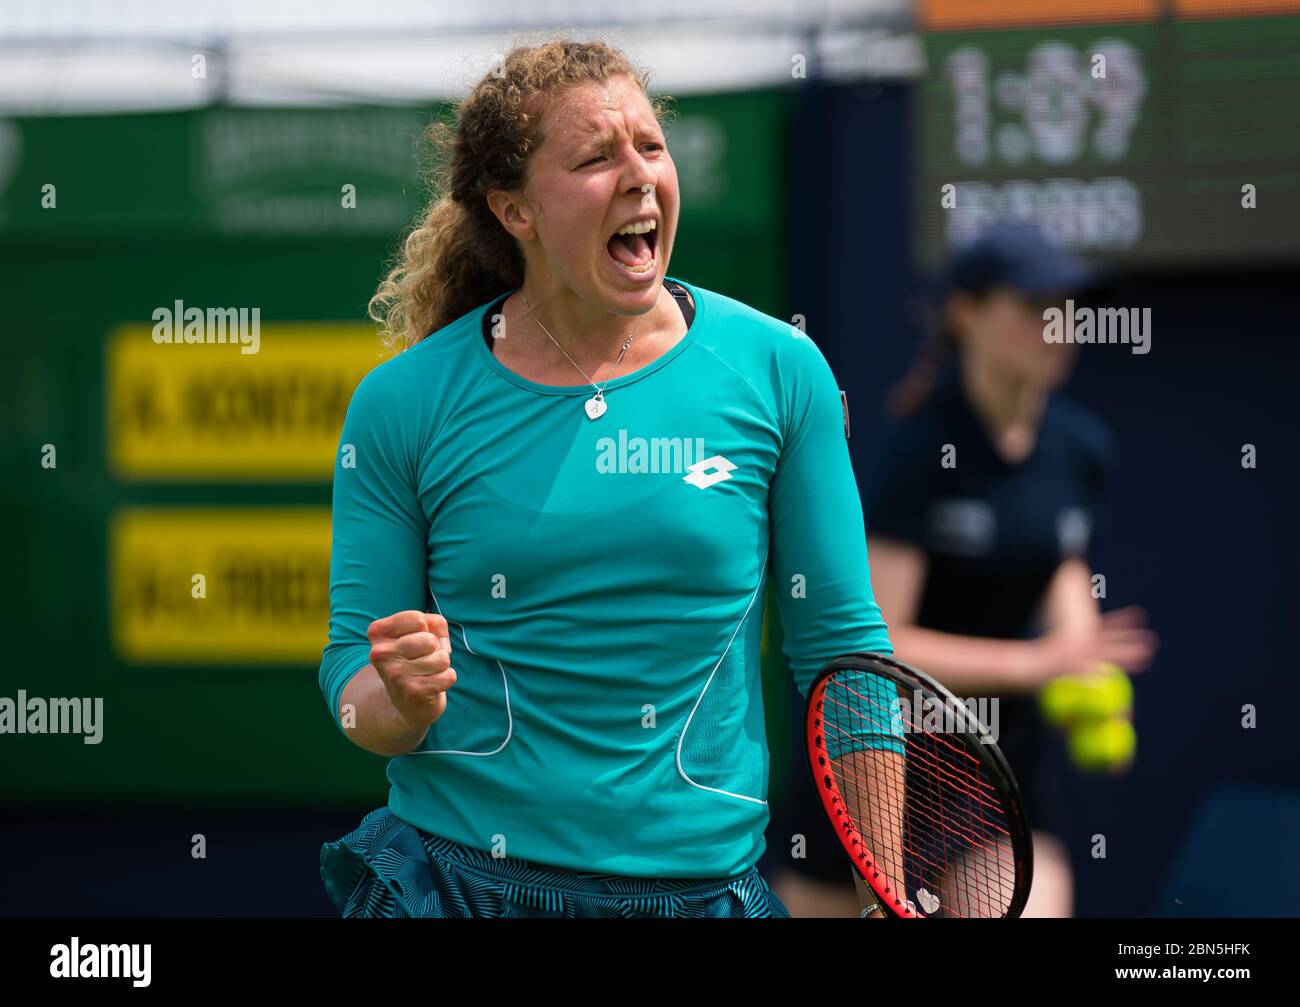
(181, 411)
(207, 585)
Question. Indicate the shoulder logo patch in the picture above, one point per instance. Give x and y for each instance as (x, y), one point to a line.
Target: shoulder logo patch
(844, 404)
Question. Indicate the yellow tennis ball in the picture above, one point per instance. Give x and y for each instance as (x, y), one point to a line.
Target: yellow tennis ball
(1105, 746)
(1075, 699)
(1110, 691)
(1060, 700)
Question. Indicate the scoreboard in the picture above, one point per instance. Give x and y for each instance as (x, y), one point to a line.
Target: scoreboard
(1130, 130)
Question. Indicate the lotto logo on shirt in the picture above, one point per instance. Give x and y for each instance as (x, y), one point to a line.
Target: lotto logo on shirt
(660, 455)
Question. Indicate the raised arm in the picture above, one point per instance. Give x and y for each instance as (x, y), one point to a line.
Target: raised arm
(377, 569)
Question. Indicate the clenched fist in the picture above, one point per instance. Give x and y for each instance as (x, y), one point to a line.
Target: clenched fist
(411, 651)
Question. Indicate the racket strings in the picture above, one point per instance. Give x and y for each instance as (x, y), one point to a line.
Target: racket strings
(979, 790)
(856, 705)
(855, 711)
(930, 852)
(921, 855)
(930, 817)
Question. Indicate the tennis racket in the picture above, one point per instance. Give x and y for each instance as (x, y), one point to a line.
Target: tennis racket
(925, 805)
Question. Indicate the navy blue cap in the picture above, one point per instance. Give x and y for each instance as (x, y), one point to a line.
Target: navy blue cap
(1017, 255)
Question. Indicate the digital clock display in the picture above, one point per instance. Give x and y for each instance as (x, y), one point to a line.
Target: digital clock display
(1164, 140)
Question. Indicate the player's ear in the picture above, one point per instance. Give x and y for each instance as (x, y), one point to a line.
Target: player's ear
(514, 213)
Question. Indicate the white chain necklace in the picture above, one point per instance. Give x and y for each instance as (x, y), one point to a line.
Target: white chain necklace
(595, 406)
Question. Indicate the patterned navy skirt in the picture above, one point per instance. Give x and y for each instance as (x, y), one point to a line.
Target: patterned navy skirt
(388, 867)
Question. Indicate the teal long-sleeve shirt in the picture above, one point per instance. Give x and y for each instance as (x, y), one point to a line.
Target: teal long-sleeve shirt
(603, 581)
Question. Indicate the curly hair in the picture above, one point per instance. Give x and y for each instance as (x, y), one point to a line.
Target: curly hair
(457, 255)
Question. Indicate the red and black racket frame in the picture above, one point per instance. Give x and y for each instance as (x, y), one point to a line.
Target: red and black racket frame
(980, 743)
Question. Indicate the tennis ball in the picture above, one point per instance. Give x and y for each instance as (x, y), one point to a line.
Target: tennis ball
(1059, 700)
(1105, 746)
(1109, 691)
(1075, 699)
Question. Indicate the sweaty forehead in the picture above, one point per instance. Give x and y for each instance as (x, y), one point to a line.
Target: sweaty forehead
(596, 110)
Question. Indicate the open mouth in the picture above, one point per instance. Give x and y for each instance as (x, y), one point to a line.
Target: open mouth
(634, 251)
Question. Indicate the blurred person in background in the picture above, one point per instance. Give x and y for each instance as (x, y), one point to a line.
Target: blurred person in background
(979, 518)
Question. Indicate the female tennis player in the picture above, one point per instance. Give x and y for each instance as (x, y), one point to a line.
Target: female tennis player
(554, 515)
(981, 515)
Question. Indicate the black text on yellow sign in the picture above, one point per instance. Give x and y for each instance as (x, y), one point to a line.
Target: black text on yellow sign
(220, 585)
(188, 412)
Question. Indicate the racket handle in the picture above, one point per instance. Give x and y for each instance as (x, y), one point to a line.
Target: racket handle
(870, 902)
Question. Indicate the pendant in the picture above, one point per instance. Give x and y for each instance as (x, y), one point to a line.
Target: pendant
(595, 407)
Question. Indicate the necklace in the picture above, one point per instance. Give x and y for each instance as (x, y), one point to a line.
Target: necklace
(594, 406)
